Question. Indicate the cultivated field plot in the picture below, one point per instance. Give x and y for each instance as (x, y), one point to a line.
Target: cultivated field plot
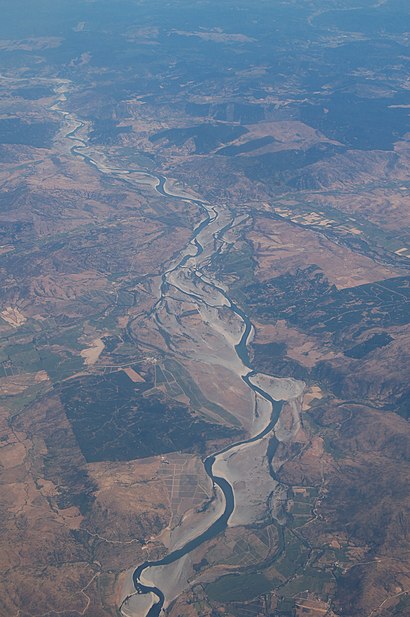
(187, 485)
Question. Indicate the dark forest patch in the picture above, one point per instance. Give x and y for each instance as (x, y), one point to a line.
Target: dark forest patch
(106, 131)
(36, 134)
(374, 342)
(114, 421)
(279, 165)
(366, 124)
(307, 300)
(33, 93)
(249, 146)
(206, 137)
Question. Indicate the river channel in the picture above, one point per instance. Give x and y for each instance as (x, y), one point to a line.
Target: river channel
(196, 254)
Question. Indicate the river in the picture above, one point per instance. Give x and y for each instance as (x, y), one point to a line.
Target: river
(195, 255)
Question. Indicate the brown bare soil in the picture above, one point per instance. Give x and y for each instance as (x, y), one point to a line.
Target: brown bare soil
(281, 247)
(70, 524)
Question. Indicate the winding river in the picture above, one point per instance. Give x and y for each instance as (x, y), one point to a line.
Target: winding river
(192, 252)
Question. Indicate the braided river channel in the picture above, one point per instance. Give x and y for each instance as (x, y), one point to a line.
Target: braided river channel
(196, 285)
